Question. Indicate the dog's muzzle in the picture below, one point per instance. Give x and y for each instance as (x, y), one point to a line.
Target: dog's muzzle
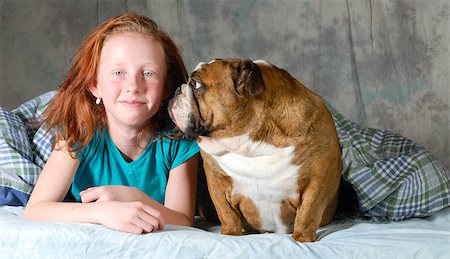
(183, 110)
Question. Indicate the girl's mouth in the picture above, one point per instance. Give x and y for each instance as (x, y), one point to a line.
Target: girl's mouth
(132, 103)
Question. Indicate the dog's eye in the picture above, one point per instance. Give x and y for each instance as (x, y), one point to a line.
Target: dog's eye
(196, 85)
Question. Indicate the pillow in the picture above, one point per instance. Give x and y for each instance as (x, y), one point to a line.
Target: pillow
(25, 145)
(394, 178)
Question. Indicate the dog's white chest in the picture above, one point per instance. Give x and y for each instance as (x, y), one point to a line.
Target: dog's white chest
(260, 171)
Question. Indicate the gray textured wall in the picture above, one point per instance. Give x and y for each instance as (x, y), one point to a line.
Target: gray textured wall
(385, 64)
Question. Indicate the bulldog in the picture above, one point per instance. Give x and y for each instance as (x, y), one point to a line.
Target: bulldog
(269, 146)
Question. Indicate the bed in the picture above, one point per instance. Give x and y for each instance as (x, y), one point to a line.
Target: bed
(25, 145)
(348, 238)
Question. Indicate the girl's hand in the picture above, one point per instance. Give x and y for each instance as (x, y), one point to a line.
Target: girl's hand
(120, 208)
(131, 217)
(111, 193)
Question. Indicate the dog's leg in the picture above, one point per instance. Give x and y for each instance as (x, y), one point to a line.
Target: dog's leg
(217, 180)
(318, 184)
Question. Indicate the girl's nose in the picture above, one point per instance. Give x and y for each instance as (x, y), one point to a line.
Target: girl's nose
(134, 84)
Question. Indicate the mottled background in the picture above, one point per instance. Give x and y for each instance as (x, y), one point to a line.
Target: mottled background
(382, 63)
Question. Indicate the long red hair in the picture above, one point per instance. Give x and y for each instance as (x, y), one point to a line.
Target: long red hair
(73, 114)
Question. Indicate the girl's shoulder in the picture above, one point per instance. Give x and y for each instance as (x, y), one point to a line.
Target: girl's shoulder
(97, 141)
(169, 138)
(175, 145)
(175, 150)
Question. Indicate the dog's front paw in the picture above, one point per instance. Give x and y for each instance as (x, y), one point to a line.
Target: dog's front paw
(304, 236)
(232, 230)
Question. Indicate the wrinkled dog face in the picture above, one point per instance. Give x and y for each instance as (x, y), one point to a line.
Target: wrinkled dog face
(214, 96)
(181, 110)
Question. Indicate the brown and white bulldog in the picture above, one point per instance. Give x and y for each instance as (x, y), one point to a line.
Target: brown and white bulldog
(269, 145)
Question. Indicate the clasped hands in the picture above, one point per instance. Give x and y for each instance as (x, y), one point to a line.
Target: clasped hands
(122, 208)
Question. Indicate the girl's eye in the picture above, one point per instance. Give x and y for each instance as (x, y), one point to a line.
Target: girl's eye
(148, 73)
(118, 73)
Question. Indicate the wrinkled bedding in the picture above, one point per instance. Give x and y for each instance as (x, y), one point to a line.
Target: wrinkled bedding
(350, 238)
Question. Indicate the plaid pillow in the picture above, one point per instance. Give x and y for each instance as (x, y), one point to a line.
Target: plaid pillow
(393, 177)
(25, 145)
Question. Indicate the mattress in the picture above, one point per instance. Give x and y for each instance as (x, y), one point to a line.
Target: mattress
(347, 238)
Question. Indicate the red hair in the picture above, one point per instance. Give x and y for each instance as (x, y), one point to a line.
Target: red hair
(73, 112)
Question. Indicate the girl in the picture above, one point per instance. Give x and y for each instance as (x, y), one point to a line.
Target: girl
(112, 140)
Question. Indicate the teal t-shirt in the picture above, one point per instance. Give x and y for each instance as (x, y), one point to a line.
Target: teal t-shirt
(101, 163)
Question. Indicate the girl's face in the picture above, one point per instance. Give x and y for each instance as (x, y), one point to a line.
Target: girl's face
(130, 79)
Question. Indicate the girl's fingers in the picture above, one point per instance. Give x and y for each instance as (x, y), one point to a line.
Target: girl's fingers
(151, 217)
(134, 229)
(131, 217)
(156, 214)
(89, 195)
(146, 225)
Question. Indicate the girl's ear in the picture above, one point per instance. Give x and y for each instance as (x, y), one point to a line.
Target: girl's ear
(94, 90)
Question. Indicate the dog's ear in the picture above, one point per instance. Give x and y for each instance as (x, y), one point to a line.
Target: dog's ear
(248, 78)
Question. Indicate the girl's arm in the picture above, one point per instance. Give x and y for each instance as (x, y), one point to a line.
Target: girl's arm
(181, 193)
(51, 187)
(53, 184)
(179, 205)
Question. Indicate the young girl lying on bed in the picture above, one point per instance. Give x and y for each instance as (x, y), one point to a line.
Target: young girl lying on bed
(113, 147)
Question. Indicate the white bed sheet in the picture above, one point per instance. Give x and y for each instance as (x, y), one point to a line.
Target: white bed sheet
(351, 238)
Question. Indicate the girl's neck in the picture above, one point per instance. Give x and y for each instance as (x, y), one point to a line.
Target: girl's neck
(131, 141)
